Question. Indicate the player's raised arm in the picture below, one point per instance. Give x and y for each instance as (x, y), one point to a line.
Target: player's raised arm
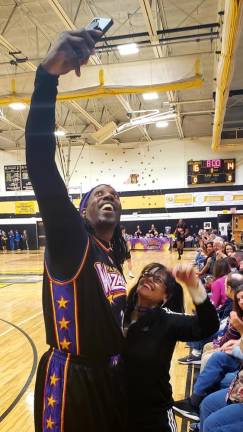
(63, 224)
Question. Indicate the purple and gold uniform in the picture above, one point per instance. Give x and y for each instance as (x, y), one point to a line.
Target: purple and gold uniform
(79, 385)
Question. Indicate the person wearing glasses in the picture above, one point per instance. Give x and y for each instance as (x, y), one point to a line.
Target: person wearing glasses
(154, 321)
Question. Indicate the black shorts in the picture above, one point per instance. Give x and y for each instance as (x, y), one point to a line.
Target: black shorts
(72, 396)
(147, 421)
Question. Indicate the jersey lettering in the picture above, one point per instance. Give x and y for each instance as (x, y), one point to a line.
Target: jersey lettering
(112, 281)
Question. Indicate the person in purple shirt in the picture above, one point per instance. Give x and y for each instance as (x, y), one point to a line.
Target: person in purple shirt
(221, 269)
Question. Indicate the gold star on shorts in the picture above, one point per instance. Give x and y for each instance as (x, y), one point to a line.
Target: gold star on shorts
(54, 379)
(49, 423)
(65, 344)
(51, 401)
(62, 302)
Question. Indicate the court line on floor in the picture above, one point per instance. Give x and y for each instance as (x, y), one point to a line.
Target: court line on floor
(5, 285)
(31, 374)
(20, 323)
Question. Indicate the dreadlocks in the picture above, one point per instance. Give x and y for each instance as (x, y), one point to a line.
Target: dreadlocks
(118, 244)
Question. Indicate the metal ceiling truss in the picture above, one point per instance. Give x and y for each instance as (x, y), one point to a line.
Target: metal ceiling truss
(159, 53)
(28, 65)
(188, 14)
(69, 25)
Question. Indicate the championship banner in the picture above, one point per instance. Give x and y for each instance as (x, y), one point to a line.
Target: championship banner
(12, 177)
(26, 183)
(17, 178)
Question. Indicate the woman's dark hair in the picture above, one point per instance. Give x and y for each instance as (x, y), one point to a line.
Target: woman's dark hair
(229, 244)
(221, 268)
(209, 242)
(175, 300)
(206, 244)
(233, 263)
(236, 306)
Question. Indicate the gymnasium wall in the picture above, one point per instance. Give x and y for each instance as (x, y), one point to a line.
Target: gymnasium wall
(159, 165)
(161, 193)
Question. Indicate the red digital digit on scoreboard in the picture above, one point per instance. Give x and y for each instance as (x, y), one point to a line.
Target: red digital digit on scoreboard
(213, 163)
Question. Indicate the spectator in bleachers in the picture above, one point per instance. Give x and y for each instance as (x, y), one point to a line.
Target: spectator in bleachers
(221, 269)
(223, 410)
(229, 249)
(233, 263)
(218, 373)
(233, 281)
(208, 267)
(228, 360)
(200, 259)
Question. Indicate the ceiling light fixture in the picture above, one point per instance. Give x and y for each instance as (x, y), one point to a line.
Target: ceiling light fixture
(162, 124)
(17, 106)
(153, 117)
(150, 96)
(128, 49)
(60, 133)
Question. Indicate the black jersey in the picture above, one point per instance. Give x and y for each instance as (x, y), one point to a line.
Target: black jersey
(83, 315)
(78, 383)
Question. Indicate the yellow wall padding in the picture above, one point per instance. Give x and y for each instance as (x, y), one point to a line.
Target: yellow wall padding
(143, 202)
(213, 198)
(128, 203)
(7, 207)
(19, 207)
(183, 198)
(25, 207)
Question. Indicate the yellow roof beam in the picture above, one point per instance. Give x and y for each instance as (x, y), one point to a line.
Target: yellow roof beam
(231, 31)
(101, 91)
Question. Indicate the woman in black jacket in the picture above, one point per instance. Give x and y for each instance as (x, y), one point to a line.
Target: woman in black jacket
(152, 331)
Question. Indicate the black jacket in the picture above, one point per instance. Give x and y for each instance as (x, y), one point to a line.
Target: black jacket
(150, 345)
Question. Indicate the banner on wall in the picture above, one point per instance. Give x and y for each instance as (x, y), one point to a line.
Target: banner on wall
(25, 207)
(12, 177)
(207, 199)
(17, 178)
(25, 180)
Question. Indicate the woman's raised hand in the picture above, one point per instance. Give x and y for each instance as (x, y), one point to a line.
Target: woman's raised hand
(186, 274)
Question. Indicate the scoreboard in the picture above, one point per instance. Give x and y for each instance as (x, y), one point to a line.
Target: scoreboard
(211, 171)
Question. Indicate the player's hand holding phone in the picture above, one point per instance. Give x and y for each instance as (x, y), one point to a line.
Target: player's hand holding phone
(73, 48)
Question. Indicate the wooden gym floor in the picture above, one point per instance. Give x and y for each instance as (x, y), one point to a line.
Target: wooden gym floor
(22, 337)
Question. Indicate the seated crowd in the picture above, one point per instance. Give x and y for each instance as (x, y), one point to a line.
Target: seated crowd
(216, 402)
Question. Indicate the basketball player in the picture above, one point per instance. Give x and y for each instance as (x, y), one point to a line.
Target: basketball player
(79, 382)
(180, 232)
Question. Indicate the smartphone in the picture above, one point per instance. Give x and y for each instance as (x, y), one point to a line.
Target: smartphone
(101, 24)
